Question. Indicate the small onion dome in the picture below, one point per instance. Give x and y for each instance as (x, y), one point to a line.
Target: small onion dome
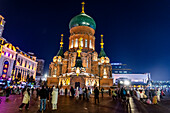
(10, 46)
(82, 20)
(54, 59)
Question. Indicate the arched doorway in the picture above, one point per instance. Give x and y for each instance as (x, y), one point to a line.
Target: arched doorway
(77, 81)
(5, 69)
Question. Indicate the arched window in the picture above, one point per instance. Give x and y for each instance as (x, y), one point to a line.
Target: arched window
(5, 69)
(90, 44)
(76, 44)
(29, 65)
(72, 42)
(21, 62)
(32, 66)
(25, 63)
(85, 42)
(82, 43)
(55, 71)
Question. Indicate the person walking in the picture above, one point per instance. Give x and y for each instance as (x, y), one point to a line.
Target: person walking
(109, 92)
(43, 96)
(88, 94)
(72, 92)
(96, 94)
(158, 93)
(84, 93)
(26, 100)
(54, 98)
(7, 93)
(37, 90)
(32, 90)
(65, 91)
(48, 93)
(102, 91)
(80, 93)
(77, 93)
(123, 94)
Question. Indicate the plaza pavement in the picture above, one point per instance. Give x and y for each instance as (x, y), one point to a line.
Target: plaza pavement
(65, 105)
(162, 107)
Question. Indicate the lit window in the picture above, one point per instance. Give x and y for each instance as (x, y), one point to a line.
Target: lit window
(29, 65)
(25, 63)
(82, 43)
(125, 71)
(55, 71)
(21, 62)
(105, 73)
(90, 44)
(86, 43)
(116, 71)
(72, 43)
(120, 71)
(76, 45)
(32, 66)
(119, 66)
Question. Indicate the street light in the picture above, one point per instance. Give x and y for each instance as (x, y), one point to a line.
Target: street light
(45, 76)
(126, 82)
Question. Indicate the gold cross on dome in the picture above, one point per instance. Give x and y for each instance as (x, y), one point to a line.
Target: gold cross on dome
(82, 7)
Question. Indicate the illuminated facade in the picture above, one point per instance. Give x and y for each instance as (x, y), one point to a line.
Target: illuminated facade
(14, 63)
(25, 66)
(2, 23)
(81, 66)
(121, 72)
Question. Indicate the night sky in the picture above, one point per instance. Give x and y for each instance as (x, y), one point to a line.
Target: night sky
(136, 32)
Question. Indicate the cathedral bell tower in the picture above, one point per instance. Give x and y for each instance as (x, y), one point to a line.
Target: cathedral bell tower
(82, 26)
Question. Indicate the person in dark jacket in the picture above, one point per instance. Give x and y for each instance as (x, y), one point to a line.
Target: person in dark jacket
(7, 92)
(66, 92)
(37, 90)
(102, 91)
(72, 92)
(48, 92)
(43, 96)
(109, 92)
(96, 94)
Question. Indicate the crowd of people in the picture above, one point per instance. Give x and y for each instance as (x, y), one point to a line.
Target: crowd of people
(50, 95)
(47, 94)
(149, 96)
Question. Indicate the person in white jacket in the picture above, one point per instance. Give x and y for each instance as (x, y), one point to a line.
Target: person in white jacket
(54, 98)
(26, 99)
(158, 93)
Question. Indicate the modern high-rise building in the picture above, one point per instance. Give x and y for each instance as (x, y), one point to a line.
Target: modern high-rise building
(80, 65)
(40, 67)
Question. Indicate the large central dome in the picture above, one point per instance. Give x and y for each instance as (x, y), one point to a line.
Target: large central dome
(82, 20)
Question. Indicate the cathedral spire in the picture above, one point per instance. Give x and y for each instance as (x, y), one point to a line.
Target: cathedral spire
(82, 7)
(60, 52)
(102, 52)
(101, 41)
(61, 43)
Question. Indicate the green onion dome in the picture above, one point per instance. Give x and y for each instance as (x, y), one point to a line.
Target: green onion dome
(82, 20)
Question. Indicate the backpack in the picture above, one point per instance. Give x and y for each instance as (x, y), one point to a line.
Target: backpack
(124, 92)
